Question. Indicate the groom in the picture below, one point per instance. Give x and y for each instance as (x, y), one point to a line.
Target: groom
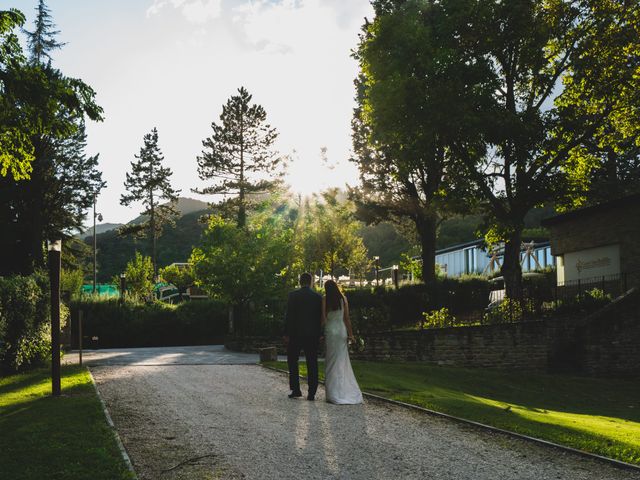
(302, 332)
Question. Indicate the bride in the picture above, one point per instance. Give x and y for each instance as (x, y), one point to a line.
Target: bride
(340, 383)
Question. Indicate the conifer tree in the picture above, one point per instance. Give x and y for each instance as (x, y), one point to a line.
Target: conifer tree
(51, 110)
(238, 157)
(42, 40)
(148, 183)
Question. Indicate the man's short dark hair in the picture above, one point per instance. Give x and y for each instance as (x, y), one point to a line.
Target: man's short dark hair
(305, 279)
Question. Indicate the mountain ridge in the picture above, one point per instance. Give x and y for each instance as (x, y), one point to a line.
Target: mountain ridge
(185, 206)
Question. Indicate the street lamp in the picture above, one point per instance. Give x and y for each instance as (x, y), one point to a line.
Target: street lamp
(95, 249)
(376, 259)
(54, 253)
(395, 275)
(123, 286)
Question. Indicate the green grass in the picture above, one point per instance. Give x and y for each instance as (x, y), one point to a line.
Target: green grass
(600, 416)
(55, 438)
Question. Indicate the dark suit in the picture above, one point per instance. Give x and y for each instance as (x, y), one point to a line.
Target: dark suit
(302, 326)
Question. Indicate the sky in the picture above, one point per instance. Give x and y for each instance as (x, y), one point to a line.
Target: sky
(172, 64)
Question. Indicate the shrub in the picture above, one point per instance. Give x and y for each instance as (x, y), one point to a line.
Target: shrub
(180, 276)
(25, 327)
(71, 283)
(585, 302)
(382, 309)
(510, 310)
(438, 319)
(139, 275)
(149, 325)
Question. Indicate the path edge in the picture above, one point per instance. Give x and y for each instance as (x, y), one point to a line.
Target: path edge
(482, 426)
(123, 450)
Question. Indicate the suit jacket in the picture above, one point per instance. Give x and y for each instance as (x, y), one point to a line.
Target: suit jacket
(304, 311)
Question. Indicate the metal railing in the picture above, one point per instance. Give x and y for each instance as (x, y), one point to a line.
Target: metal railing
(544, 298)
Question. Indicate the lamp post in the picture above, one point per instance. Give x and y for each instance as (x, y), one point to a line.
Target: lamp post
(123, 286)
(395, 274)
(54, 253)
(376, 259)
(95, 243)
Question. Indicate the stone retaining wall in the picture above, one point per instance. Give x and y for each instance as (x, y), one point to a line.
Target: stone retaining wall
(604, 343)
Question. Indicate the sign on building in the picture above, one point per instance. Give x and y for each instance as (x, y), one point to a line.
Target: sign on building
(589, 263)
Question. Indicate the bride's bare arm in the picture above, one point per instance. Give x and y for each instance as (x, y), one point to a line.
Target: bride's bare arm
(346, 319)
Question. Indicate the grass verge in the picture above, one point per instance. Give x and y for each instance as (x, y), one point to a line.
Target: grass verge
(600, 416)
(56, 438)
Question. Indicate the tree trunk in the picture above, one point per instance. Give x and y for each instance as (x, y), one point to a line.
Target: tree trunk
(426, 226)
(511, 269)
(37, 228)
(242, 214)
(153, 241)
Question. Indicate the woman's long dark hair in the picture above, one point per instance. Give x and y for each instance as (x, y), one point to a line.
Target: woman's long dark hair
(334, 295)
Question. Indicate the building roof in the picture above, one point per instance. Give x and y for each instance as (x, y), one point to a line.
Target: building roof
(460, 246)
(601, 207)
(482, 245)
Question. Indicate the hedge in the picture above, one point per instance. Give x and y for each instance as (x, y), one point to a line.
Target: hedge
(25, 327)
(156, 324)
(206, 322)
(382, 309)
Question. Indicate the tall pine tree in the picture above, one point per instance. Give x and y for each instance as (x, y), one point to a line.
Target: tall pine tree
(42, 40)
(149, 183)
(52, 110)
(238, 157)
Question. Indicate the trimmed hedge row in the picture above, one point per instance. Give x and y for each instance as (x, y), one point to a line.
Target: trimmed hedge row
(382, 309)
(206, 322)
(25, 326)
(148, 325)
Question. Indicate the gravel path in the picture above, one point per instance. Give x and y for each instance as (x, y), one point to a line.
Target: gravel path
(234, 421)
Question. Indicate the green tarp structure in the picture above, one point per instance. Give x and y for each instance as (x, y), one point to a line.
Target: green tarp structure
(161, 290)
(105, 289)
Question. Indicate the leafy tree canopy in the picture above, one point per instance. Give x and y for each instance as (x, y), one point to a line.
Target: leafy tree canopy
(16, 151)
(45, 121)
(246, 267)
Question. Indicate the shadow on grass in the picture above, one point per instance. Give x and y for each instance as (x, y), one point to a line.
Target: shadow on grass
(596, 415)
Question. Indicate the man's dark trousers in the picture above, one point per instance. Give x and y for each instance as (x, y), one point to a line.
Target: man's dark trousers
(302, 327)
(310, 347)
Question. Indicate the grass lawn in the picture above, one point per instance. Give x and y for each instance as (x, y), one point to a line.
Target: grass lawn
(55, 438)
(601, 416)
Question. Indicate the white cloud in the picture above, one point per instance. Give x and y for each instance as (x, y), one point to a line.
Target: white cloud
(195, 11)
(286, 25)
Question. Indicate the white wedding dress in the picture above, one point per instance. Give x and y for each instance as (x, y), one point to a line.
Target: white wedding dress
(340, 383)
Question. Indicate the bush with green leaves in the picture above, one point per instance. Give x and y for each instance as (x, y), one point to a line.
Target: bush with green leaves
(438, 319)
(246, 268)
(383, 308)
(586, 302)
(510, 310)
(155, 324)
(71, 282)
(180, 276)
(139, 277)
(25, 326)
(370, 319)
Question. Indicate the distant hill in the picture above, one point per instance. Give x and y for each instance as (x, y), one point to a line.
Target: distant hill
(174, 245)
(184, 206)
(100, 228)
